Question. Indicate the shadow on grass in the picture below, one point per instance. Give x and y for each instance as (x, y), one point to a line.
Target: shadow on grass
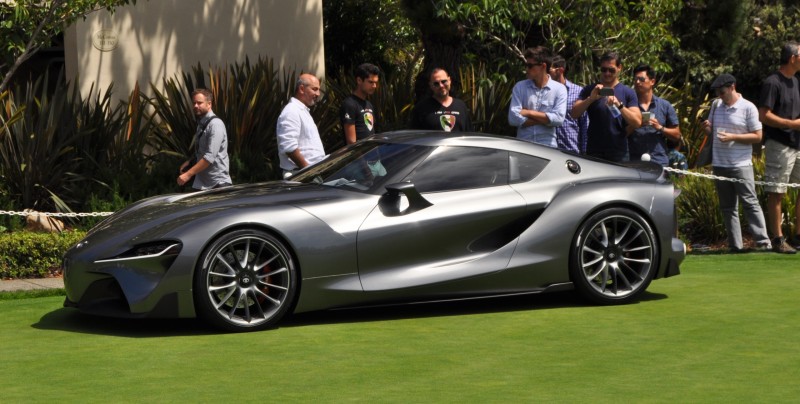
(71, 320)
(543, 301)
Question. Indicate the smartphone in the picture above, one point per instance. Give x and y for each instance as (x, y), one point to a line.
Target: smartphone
(645, 118)
(606, 91)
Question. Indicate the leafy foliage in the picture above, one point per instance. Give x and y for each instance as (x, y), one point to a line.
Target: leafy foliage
(374, 31)
(27, 25)
(39, 136)
(501, 30)
(32, 255)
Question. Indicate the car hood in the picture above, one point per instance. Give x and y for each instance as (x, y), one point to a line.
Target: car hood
(189, 206)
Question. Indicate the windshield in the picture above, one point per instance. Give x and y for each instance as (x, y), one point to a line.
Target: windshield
(366, 166)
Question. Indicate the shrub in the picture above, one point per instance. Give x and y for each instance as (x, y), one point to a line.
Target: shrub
(34, 255)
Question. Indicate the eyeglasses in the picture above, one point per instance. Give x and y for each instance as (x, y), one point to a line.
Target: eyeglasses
(440, 83)
(532, 65)
(640, 79)
(611, 70)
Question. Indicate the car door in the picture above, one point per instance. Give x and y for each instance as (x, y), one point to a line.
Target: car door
(456, 217)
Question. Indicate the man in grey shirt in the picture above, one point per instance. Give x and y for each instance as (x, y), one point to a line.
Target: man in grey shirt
(209, 165)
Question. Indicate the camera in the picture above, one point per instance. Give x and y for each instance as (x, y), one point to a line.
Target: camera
(606, 91)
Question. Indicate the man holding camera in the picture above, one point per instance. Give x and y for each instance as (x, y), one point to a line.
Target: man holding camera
(611, 106)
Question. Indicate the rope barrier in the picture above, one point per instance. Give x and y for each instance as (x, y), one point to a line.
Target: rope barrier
(670, 169)
(48, 214)
(720, 178)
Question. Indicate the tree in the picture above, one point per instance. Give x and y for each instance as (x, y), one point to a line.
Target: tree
(442, 42)
(580, 30)
(374, 31)
(27, 25)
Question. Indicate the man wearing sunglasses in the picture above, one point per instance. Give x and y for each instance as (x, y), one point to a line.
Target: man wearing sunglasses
(538, 104)
(606, 135)
(441, 111)
(659, 121)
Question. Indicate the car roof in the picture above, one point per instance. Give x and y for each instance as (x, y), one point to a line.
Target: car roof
(474, 139)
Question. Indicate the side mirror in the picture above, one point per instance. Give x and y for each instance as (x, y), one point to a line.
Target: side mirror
(389, 203)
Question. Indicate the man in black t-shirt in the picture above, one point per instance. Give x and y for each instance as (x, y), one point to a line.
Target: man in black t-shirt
(779, 112)
(441, 111)
(356, 113)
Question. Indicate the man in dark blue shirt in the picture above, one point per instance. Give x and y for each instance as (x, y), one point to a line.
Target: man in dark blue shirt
(610, 113)
(661, 123)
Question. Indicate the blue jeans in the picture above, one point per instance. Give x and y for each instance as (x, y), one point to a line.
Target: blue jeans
(729, 195)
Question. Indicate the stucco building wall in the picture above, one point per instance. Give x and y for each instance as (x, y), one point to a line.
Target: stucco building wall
(158, 39)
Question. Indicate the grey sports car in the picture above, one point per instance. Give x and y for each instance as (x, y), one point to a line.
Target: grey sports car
(399, 217)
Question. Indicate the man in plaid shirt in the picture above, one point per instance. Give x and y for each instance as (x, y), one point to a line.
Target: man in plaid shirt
(571, 135)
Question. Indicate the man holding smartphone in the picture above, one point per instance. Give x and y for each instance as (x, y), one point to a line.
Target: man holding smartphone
(606, 134)
(659, 120)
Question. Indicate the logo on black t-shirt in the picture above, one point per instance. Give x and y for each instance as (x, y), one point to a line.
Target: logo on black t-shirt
(369, 120)
(447, 122)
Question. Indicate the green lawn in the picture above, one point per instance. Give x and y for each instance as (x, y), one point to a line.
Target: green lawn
(726, 330)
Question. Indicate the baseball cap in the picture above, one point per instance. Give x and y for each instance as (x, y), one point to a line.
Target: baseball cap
(723, 80)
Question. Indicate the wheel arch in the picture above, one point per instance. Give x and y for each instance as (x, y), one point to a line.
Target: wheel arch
(253, 226)
(637, 209)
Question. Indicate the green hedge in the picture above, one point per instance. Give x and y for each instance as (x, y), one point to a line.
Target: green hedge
(34, 255)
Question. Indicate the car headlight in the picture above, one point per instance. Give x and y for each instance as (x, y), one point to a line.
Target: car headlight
(148, 250)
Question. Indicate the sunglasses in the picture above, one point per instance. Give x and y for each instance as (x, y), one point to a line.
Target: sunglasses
(440, 83)
(608, 69)
(532, 65)
(640, 79)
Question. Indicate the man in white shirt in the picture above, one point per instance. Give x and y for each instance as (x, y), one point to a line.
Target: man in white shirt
(299, 144)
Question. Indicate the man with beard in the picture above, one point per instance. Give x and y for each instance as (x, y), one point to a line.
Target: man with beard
(209, 163)
(441, 111)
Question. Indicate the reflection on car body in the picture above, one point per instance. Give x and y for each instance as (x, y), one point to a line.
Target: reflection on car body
(398, 217)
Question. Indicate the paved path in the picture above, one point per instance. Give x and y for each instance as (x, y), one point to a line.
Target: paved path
(31, 284)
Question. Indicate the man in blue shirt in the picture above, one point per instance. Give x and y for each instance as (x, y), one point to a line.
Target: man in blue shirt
(608, 114)
(571, 135)
(661, 123)
(538, 104)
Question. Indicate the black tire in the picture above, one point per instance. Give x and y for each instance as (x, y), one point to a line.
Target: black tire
(614, 256)
(245, 281)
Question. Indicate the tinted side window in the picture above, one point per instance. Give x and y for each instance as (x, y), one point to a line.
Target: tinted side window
(451, 168)
(524, 167)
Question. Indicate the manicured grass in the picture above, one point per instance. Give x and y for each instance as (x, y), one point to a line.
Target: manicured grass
(27, 294)
(726, 330)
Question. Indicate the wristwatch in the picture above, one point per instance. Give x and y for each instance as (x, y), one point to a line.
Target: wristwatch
(620, 105)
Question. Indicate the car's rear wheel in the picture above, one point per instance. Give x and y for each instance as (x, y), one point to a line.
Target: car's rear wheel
(614, 256)
(246, 280)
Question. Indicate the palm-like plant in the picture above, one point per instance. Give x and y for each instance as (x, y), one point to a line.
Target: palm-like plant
(40, 128)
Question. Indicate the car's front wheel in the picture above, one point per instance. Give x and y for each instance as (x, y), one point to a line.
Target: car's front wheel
(245, 281)
(614, 256)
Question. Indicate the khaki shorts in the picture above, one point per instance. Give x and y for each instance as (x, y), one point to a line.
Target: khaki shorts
(781, 166)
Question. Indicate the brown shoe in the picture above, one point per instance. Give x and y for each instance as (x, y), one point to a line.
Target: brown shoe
(779, 245)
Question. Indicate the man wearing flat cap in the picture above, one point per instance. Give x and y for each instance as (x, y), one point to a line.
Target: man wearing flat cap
(779, 110)
(734, 127)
